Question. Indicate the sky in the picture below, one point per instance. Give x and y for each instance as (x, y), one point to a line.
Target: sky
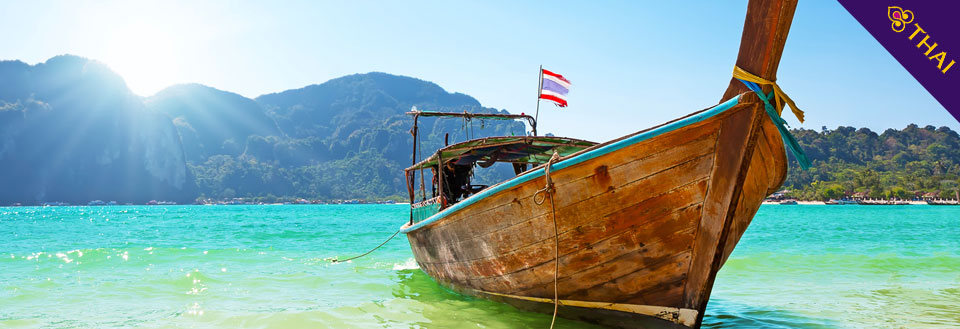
(632, 64)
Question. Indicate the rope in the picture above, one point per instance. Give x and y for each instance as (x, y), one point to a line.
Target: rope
(549, 190)
(788, 140)
(780, 98)
(538, 197)
(368, 252)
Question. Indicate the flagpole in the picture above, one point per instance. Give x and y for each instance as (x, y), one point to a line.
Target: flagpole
(539, 89)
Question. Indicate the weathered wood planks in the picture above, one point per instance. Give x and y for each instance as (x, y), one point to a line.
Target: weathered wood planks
(630, 221)
(624, 205)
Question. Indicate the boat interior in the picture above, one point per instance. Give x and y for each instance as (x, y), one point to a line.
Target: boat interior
(447, 176)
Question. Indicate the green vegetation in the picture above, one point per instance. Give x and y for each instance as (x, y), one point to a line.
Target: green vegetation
(348, 138)
(71, 131)
(895, 164)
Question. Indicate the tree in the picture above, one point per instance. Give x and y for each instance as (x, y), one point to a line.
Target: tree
(898, 193)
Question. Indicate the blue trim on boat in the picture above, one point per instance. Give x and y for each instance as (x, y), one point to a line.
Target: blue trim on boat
(603, 150)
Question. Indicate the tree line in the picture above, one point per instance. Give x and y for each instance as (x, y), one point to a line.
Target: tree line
(900, 164)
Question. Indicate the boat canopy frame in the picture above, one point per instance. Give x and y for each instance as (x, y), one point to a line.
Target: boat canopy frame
(486, 151)
(513, 149)
(468, 116)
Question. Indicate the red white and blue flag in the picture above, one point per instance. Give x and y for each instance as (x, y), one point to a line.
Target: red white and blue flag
(554, 88)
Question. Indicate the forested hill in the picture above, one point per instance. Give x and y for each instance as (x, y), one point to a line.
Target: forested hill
(71, 130)
(896, 163)
(343, 139)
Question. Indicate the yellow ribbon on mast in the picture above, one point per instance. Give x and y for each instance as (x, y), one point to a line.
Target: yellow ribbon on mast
(781, 97)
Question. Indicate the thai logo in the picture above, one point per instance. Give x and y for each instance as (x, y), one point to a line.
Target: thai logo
(899, 17)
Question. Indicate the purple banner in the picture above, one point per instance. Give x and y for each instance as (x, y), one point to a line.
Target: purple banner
(924, 36)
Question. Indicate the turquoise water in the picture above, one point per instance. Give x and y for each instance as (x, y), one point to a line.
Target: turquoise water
(268, 267)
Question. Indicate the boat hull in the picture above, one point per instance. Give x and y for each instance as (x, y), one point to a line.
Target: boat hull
(643, 226)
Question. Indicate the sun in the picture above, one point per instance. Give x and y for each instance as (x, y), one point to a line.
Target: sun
(145, 56)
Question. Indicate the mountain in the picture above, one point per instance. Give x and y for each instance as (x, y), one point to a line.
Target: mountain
(366, 112)
(211, 121)
(71, 130)
(346, 138)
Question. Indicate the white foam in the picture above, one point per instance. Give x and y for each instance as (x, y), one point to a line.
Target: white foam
(410, 264)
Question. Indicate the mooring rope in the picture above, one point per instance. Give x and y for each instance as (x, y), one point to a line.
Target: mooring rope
(368, 252)
(549, 190)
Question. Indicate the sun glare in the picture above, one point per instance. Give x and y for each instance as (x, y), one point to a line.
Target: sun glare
(145, 57)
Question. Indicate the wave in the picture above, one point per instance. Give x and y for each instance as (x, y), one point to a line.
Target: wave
(410, 264)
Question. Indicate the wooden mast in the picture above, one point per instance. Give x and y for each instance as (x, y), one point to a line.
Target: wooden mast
(764, 35)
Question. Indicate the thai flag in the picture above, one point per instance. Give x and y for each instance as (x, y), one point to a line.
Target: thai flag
(554, 87)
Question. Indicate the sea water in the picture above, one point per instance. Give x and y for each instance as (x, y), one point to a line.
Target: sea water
(270, 267)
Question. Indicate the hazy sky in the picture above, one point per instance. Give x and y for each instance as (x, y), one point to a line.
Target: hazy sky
(633, 64)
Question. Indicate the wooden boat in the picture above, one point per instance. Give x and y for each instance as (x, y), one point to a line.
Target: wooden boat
(634, 230)
(841, 202)
(942, 202)
(882, 202)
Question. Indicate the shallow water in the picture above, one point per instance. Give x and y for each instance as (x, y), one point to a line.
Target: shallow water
(268, 267)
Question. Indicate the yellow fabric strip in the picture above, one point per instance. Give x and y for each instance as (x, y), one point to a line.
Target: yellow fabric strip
(781, 97)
